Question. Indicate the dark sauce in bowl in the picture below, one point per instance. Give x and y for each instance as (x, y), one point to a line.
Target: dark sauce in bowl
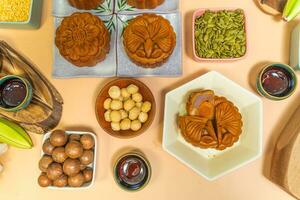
(132, 172)
(12, 93)
(277, 81)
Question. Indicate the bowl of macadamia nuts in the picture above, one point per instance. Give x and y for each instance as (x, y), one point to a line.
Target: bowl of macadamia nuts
(68, 160)
(125, 108)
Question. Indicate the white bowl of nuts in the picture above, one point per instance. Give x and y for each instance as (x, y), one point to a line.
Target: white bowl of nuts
(125, 108)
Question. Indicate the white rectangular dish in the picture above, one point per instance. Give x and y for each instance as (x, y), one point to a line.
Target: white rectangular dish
(62, 8)
(172, 67)
(93, 165)
(211, 163)
(122, 7)
(107, 68)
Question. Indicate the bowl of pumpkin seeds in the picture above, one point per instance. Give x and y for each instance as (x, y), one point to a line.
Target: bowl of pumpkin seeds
(219, 35)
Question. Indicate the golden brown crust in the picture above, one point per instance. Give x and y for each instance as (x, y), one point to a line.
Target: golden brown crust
(145, 4)
(198, 131)
(212, 121)
(83, 39)
(85, 4)
(149, 40)
(229, 124)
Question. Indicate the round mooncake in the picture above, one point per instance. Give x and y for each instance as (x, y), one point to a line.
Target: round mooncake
(212, 121)
(149, 40)
(83, 39)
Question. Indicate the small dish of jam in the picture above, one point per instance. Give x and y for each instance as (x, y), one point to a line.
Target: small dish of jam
(15, 93)
(132, 172)
(277, 81)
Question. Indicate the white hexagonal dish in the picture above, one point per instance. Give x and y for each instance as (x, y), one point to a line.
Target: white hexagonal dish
(210, 163)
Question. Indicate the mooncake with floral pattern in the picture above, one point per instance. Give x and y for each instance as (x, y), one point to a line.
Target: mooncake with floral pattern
(83, 39)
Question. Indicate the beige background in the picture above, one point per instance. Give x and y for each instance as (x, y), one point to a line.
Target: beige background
(269, 41)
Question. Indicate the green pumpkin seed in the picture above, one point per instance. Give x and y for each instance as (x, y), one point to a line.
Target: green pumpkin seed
(220, 34)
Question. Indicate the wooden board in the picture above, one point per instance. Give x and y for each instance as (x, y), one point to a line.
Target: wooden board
(285, 168)
(45, 109)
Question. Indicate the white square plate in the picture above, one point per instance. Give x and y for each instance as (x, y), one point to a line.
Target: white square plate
(211, 163)
(122, 7)
(107, 68)
(173, 66)
(93, 165)
(62, 8)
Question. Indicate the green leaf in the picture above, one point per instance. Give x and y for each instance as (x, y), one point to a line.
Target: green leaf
(119, 4)
(124, 2)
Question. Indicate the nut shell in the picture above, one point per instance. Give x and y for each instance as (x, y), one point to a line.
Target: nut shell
(44, 181)
(74, 149)
(58, 138)
(44, 163)
(48, 147)
(71, 167)
(61, 181)
(87, 157)
(74, 137)
(88, 174)
(76, 181)
(82, 167)
(54, 171)
(87, 141)
(59, 155)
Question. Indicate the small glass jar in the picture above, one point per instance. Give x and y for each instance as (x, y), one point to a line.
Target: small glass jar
(276, 81)
(15, 93)
(132, 171)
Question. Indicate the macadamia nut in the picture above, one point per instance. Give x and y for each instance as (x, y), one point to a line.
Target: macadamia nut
(107, 116)
(125, 109)
(115, 126)
(124, 114)
(136, 125)
(125, 94)
(143, 117)
(106, 103)
(137, 97)
(132, 89)
(134, 113)
(129, 104)
(146, 107)
(114, 92)
(139, 105)
(115, 116)
(116, 105)
(125, 124)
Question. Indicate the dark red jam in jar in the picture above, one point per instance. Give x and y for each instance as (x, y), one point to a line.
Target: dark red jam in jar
(132, 172)
(12, 93)
(277, 81)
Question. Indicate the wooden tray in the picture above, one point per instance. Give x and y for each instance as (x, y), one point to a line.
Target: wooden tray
(45, 109)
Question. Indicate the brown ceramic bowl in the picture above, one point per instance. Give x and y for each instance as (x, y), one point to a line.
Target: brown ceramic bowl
(123, 82)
